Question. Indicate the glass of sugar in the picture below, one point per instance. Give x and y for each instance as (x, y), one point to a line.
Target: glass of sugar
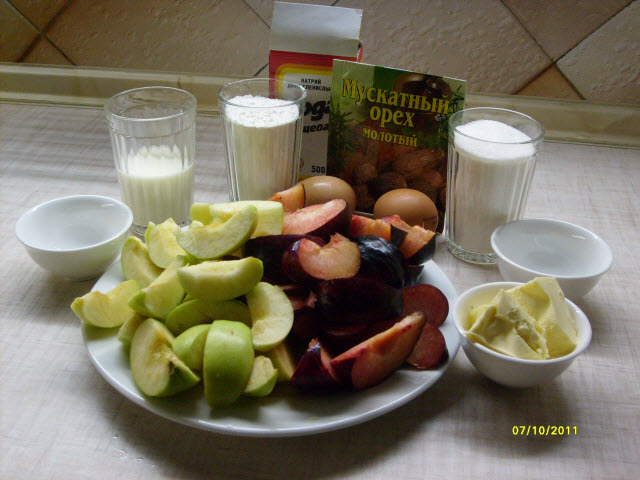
(153, 138)
(262, 127)
(492, 156)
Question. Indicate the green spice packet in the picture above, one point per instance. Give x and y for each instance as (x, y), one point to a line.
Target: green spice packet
(388, 130)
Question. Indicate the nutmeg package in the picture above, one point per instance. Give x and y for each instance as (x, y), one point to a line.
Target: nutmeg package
(388, 130)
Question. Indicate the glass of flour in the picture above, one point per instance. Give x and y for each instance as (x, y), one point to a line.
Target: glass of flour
(262, 127)
(492, 156)
(153, 135)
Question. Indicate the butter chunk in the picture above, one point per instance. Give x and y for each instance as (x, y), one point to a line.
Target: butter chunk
(507, 328)
(543, 300)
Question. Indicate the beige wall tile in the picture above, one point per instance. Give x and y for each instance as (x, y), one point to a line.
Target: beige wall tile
(16, 33)
(551, 83)
(187, 36)
(606, 66)
(45, 53)
(39, 12)
(559, 25)
(476, 40)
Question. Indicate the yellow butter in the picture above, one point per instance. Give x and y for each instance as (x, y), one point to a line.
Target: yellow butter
(506, 328)
(532, 321)
(543, 299)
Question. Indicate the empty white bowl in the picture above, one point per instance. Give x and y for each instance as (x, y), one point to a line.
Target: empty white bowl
(503, 369)
(75, 237)
(536, 247)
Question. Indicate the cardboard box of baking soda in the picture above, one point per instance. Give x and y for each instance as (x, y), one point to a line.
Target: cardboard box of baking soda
(388, 130)
(305, 39)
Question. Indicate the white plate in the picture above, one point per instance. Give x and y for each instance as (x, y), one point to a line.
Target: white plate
(285, 412)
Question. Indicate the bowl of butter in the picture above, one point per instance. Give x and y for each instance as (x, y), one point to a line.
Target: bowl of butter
(520, 334)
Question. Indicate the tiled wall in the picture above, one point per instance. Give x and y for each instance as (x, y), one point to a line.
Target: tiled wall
(576, 49)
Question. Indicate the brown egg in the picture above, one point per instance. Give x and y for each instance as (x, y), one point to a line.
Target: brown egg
(412, 206)
(321, 189)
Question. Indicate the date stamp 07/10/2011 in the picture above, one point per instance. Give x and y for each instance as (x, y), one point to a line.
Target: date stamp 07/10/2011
(544, 430)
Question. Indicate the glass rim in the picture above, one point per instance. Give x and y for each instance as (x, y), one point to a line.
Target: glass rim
(536, 139)
(288, 103)
(190, 104)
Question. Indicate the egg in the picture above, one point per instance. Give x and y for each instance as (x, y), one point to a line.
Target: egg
(413, 206)
(322, 189)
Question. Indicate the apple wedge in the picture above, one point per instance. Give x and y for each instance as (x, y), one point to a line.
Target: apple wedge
(227, 362)
(262, 379)
(270, 214)
(162, 243)
(189, 346)
(195, 312)
(373, 360)
(106, 310)
(283, 361)
(136, 263)
(209, 242)
(162, 295)
(128, 329)
(156, 369)
(271, 315)
(214, 281)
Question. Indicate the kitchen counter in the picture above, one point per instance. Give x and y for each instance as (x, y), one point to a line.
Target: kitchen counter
(59, 419)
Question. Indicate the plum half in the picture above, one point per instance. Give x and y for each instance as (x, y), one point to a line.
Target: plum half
(323, 219)
(381, 260)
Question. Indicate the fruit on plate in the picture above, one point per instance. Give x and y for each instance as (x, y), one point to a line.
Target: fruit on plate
(262, 379)
(373, 360)
(322, 220)
(381, 260)
(283, 360)
(382, 228)
(270, 214)
(208, 242)
(106, 310)
(270, 249)
(315, 190)
(227, 362)
(430, 349)
(156, 369)
(128, 328)
(214, 281)
(428, 299)
(314, 372)
(307, 262)
(195, 312)
(162, 242)
(271, 315)
(189, 346)
(163, 294)
(419, 245)
(136, 263)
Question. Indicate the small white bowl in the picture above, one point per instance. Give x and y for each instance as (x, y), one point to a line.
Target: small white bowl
(75, 237)
(536, 247)
(506, 370)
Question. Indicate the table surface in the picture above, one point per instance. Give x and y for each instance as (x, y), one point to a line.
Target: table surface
(60, 419)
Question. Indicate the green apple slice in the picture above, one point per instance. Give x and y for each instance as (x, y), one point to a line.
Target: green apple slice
(162, 295)
(106, 310)
(162, 242)
(156, 369)
(129, 327)
(283, 360)
(271, 315)
(262, 379)
(214, 281)
(209, 242)
(195, 312)
(136, 263)
(227, 362)
(270, 214)
(189, 346)
(200, 212)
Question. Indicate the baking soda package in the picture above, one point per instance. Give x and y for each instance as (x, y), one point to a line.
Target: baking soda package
(388, 130)
(305, 40)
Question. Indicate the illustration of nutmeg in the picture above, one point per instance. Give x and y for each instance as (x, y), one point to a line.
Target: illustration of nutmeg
(429, 182)
(411, 164)
(363, 173)
(364, 199)
(385, 182)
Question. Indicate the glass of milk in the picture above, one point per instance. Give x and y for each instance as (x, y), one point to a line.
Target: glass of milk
(492, 156)
(262, 127)
(153, 139)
